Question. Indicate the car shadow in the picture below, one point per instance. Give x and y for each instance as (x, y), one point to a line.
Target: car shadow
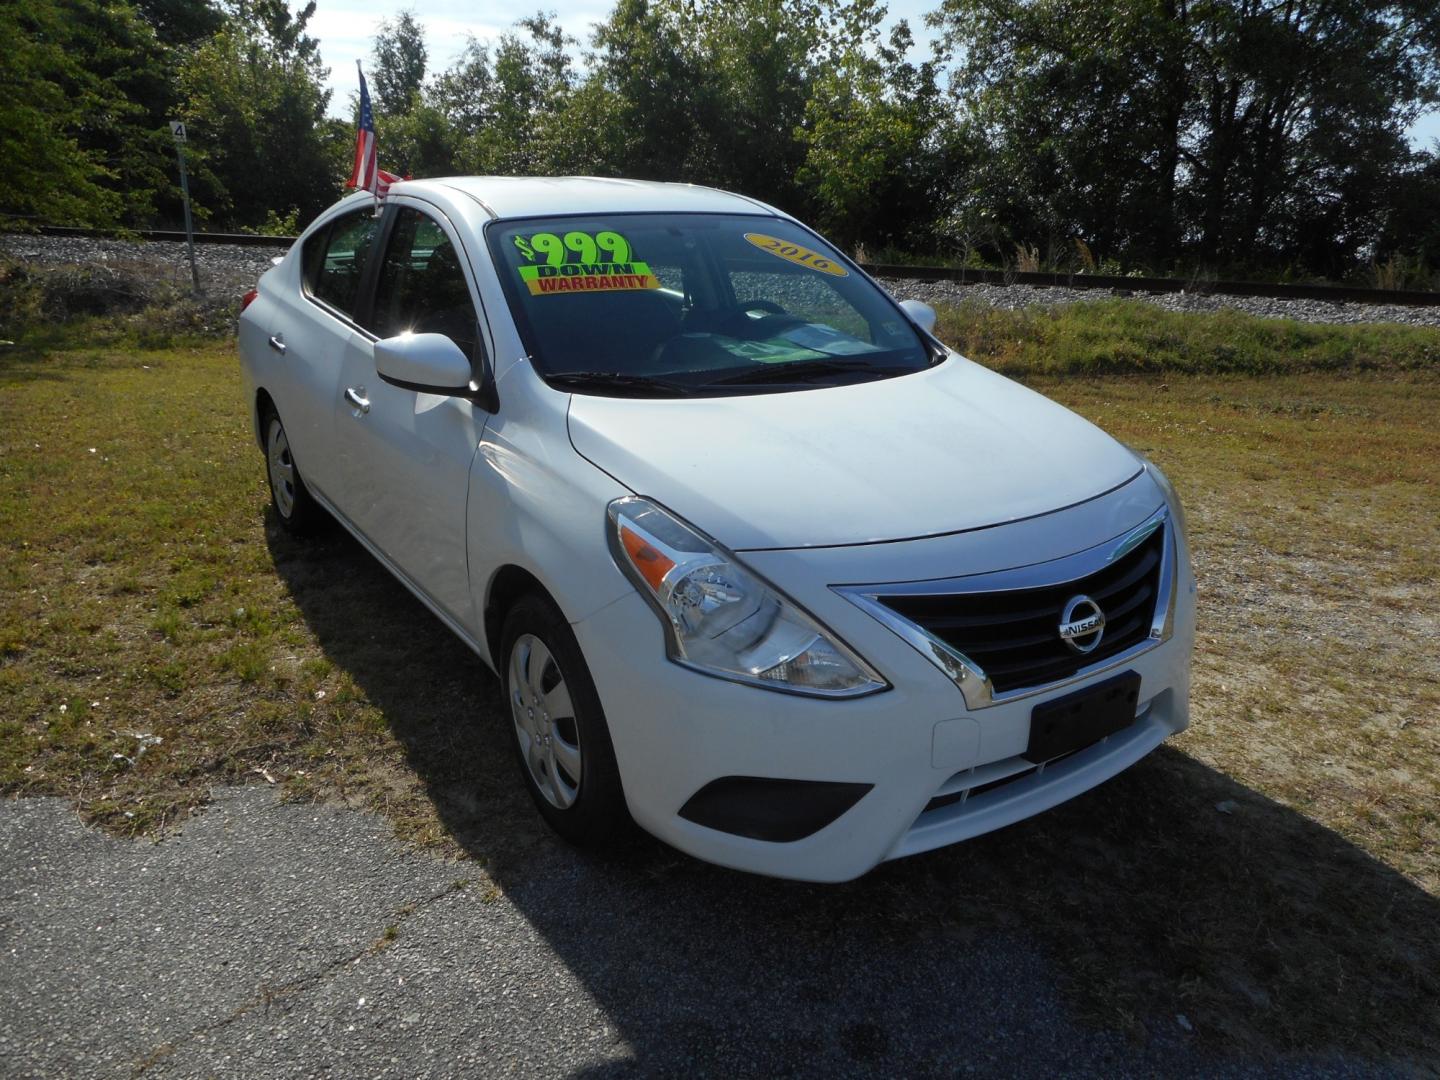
(1169, 916)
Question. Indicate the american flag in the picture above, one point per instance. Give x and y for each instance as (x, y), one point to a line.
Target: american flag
(367, 174)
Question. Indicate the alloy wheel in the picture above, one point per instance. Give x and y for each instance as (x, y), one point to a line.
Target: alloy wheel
(544, 719)
(282, 468)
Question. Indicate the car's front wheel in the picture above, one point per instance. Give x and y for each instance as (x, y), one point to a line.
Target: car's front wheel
(293, 504)
(566, 757)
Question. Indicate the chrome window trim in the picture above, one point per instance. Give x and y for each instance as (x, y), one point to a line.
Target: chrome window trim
(969, 676)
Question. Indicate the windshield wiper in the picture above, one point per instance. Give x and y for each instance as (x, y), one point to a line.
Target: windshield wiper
(655, 385)
(804, 371)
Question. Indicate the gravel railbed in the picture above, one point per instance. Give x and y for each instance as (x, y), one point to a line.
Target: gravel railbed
(231, 269)
(228, 269)
(1014, 297)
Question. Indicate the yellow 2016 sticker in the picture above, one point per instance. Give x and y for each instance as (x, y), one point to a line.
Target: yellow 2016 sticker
(588, 277)
(800, 256)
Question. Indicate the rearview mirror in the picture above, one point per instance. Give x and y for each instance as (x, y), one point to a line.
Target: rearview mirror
(429, 363)
(921, 314)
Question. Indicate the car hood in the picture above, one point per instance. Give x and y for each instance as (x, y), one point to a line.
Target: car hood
(952, 448)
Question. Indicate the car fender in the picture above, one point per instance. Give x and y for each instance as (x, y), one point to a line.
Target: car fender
(536, 504)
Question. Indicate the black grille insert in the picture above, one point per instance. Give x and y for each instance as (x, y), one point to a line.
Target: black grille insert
(1013, 635)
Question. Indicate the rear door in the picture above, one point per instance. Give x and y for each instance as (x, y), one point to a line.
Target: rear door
(313, 330)
(404, 457)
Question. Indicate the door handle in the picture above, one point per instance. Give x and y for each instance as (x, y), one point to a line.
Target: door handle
(277, 343)
(355, 395)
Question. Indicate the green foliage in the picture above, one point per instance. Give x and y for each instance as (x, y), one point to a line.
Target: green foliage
(711, 92)
(1220, 137)
(1125, 337)
(519, 92)
(873, 163)
(255, 108)
(51, 94)
(1233, 131)
(397, 66)
(286, 224)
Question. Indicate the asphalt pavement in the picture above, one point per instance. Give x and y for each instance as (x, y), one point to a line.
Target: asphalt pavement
(276, 939)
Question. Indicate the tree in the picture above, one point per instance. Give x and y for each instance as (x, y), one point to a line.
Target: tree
(876, 151)
(506, 101)
(1409, 240)
(714, 92)
(397, 65)
(48, 93)
(463, 91)
(1241, 131)
(89, 87)
(255, 102)
(181, 23)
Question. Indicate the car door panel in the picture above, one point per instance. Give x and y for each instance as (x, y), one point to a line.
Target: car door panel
(406, 465)
(403, 460)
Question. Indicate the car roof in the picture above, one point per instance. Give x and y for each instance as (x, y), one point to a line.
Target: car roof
(535, 196)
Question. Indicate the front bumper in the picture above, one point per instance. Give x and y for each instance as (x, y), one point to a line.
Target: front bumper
(676, 731)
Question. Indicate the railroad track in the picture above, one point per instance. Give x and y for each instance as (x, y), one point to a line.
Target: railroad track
(1115, 284)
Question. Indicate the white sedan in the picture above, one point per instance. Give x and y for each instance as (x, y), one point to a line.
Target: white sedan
(760, 564)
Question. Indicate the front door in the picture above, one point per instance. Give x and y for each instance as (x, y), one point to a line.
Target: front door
(405, 456)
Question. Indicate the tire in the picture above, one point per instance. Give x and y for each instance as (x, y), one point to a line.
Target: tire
(566, 761)
(294, 506)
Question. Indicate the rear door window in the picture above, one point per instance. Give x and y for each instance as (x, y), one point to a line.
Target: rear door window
(334, 260)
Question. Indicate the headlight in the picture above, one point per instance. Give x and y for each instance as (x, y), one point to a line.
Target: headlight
(723, 619)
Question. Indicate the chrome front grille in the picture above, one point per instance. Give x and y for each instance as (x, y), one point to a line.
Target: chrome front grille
(999, 635)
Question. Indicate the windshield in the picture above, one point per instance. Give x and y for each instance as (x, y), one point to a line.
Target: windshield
(667, 305)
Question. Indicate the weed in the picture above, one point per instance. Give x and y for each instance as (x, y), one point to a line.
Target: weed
(1122, 337)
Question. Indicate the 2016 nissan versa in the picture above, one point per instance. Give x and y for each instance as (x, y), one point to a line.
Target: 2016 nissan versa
(759, 562)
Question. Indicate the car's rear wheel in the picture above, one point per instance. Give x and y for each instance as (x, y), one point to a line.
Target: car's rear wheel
(294, 506)
(561, 737)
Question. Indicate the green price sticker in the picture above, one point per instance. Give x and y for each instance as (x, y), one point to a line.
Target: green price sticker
(578, 248)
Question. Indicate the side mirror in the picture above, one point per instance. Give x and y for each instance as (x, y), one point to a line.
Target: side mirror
(429, 363)
(921, 314)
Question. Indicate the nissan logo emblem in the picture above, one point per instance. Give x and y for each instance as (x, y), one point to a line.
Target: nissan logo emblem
(1082, 624)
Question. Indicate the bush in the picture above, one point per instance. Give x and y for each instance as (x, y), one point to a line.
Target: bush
(109, 300)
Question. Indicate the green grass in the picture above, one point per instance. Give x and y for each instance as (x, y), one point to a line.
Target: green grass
(159, 635)
(142, 601)
(1124, 337)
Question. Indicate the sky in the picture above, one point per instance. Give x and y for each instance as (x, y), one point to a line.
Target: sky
(346, 28)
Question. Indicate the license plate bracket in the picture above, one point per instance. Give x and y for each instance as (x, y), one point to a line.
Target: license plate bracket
(1086, 716)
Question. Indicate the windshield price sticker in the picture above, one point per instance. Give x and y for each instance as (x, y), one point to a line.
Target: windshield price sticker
(596, 277)
(573, 263)
(575, 247)
(800, 256)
